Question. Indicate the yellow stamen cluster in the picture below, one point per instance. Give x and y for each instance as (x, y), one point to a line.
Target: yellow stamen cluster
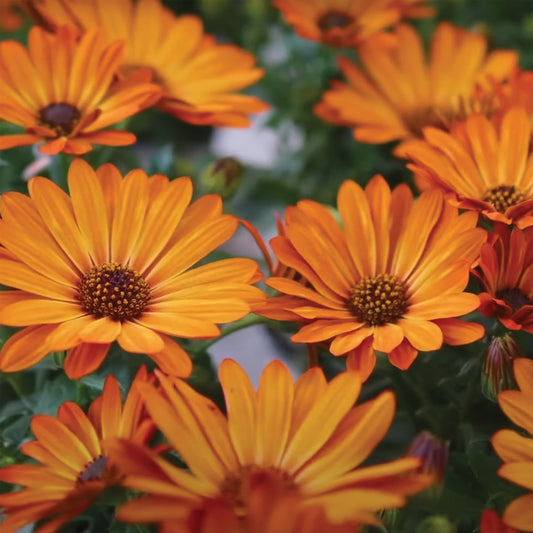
(62, 118)
(114, 290)
(503, 197)
(378, 300)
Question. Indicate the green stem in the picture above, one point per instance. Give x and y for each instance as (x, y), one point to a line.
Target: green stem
(421, 395)
(14, 380)
(474, 384)
(247, 321)
(59, 170)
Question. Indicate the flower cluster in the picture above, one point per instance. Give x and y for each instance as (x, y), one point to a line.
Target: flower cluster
(389, 292)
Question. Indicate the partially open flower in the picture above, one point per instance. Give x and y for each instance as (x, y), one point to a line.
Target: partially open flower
(505, 275)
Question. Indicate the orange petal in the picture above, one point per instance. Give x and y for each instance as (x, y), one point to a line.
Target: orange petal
(240, 400)
(85, 359)
(403, 355)
(139, 339)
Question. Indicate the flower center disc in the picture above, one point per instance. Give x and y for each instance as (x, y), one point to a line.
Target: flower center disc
(503, 197)
(378, 300)
(62, 118)
(514, 298)
(334, 19)
(114, 290)
(94, 470)
(236, 485)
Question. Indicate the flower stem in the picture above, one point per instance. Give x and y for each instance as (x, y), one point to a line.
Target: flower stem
(247, 321)
(312, 355)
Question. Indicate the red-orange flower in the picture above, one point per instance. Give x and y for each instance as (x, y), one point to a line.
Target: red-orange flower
(61, 91)
(74, 467)
(506, 277)
(342, 23)
(390, 279)
(112, 261)
(308, 435)
(516, 449)
(491, 523)
(199, 77)
(483, 165)
(397, 91)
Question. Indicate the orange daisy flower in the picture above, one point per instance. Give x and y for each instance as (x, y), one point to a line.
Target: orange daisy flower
(271, 508)
(345, 22)
(515, 449)
(506, 278)
(113, 262)
(491, 523)
(397, 92)
(74, 467)
(306, 434)
(71, 97)
(199, 77)
(482, 165)
(390, 280)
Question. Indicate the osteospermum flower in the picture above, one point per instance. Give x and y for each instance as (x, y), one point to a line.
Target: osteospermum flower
(307, 434)
(71, 97)
(73, 466)
(482, 165)
(342, 22)
(113, 262)
(199, 77)
(396, 91)
(505, 276)
(491, 523)
(391, 279)
(516, 449)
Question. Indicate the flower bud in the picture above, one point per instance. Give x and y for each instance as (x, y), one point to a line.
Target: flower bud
(433, 454)
(497, 369)
(436, 524)
(222, 176)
